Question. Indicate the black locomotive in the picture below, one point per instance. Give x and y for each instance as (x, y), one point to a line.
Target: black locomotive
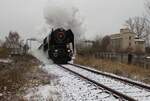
(60, 45)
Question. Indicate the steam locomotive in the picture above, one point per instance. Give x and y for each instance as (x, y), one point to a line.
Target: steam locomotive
(60, 45)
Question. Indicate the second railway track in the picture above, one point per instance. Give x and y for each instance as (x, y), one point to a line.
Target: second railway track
(126, 89)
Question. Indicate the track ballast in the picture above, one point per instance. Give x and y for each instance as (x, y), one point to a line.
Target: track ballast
(120, 87)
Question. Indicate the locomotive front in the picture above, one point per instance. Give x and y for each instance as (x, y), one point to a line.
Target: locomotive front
(61, 45)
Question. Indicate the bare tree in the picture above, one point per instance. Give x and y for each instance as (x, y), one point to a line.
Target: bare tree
(12, 40)
(147, 6)
(1, 43)
(97, 43)
(147, 35)
(138, 25)
(105, 43)
(13, 43)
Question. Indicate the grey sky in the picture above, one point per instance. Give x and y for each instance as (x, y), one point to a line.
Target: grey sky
(100, 16)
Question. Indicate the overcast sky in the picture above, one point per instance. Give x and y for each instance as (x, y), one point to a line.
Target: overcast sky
(100, 16)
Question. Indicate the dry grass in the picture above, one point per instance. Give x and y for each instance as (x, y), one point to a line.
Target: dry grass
(121, 69)
(4, 53)
(19, 75)
(12, 76)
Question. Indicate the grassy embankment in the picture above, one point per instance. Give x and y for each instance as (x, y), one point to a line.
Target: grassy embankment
(121, 69)
(4, 53)
(22, 73)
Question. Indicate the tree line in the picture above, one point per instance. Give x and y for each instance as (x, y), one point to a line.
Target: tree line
(140, 25)
(13, 43)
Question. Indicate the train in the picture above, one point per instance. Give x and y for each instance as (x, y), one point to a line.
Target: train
(59, 45)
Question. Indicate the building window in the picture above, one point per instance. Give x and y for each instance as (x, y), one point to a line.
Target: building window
(129, 37)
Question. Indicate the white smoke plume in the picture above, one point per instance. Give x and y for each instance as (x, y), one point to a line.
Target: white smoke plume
(59, 13)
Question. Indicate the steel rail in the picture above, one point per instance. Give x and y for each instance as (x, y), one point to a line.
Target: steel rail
(114, 77)
(118, 94)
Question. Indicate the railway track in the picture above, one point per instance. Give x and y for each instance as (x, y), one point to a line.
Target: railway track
(75, 88)
(117, 95)
(123, 88)
(125, 80)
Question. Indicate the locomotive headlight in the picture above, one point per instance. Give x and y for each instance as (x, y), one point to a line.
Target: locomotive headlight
(60, 35)
(69, 50)
(56, 50)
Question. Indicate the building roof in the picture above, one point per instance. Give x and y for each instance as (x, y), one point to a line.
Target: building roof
(122, 31)
(140, 40)
(115, 36)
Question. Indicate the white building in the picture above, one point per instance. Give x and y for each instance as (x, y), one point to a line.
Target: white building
(126, 41)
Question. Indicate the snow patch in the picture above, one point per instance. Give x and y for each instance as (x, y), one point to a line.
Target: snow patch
(66, 86)
(5, 60)
(43, 57)
(42, 93)
(130, 90)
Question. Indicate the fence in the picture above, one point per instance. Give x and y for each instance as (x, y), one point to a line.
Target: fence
(140, 60)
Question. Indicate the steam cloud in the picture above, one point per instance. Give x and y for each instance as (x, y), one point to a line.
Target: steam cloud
(61, 14)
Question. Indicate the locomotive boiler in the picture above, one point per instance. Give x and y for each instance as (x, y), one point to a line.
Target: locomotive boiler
(60, 45)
